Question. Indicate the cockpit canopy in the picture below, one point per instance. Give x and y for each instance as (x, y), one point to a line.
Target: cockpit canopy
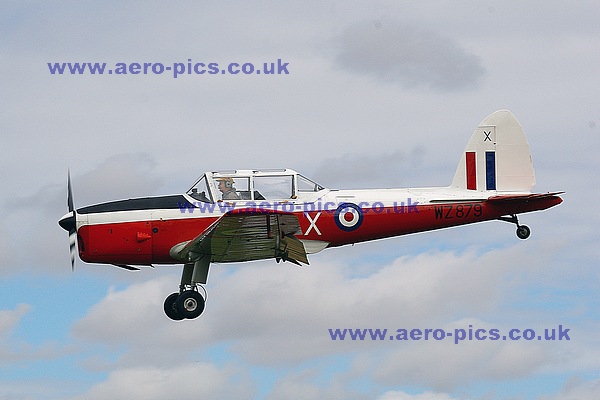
(253, 185)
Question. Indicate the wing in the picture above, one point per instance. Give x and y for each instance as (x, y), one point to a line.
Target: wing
(246, 235)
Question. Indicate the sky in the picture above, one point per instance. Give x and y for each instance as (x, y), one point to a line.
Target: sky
(376, 94)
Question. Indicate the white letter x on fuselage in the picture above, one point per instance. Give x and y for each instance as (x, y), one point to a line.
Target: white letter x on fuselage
(313, 223)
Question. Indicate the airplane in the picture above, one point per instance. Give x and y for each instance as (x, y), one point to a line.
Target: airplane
(244, 215)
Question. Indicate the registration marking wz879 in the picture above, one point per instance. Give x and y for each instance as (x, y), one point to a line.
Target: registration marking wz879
(451, 211)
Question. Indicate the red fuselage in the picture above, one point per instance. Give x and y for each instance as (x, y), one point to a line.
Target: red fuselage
(125, 232)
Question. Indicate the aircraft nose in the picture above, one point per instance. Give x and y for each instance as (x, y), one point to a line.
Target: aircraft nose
(67, 222)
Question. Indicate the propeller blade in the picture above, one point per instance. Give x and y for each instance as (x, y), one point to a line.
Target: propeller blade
(69, 192)
(72, 239)
(69, 221)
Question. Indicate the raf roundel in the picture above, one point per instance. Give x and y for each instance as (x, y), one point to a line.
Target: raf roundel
(348, 217)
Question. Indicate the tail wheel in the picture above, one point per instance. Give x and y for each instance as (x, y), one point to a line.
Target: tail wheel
(171, 307)
(190, 304)
(523, 231)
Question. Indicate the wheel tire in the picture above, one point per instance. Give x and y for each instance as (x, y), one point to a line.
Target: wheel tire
(170, 307)
(190, 304)
(523, 231)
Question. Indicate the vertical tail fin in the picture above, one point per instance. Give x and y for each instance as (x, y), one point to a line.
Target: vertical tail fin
(497, 157)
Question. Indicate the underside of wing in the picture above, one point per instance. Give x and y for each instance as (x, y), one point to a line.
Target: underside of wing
(246, 235)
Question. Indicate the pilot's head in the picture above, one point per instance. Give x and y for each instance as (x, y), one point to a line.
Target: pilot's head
(225, 184)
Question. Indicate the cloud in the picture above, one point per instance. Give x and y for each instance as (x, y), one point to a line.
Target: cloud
(15, 350)
(276, 317)
(10, 318)
(120, 176)
(271, 314)
(398, 395)
(138, 322)
(182, 381)
(577, 389)
(307, 385)
(29, 226)
(444, 365)
(408, 55)
(299, 306)
(360, 171)
(257, 307)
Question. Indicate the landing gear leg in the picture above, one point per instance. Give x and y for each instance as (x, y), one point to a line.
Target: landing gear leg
(189, 303)
(523, 231)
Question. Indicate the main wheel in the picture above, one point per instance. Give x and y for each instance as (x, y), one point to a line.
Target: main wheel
(523, 231)
(190, 304)
(171, 308)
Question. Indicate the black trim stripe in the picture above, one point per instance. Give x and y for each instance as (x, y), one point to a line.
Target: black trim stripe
(145, 203)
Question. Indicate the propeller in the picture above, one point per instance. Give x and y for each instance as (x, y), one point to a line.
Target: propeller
(69, 222)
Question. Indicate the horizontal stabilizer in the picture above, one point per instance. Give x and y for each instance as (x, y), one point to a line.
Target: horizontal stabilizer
(523, 197)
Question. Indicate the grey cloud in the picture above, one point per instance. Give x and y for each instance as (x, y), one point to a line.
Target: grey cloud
(407, 55)
(9, 319)
(449, 365)
(305, 382)
(398, 395)
(30, 218)
(256, 310)
(14, 349)
(182, 381)
(121, 176)
(577, 388)
(354, 171)
(252, 308)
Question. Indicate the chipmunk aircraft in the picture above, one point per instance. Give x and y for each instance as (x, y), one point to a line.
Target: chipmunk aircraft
(244, 215)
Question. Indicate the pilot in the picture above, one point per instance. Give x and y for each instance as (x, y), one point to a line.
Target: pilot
(227, 189)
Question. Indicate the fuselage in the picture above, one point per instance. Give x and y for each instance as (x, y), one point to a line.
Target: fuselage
(143, 231)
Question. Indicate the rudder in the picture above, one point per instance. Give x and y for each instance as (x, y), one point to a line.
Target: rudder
(497, 157)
